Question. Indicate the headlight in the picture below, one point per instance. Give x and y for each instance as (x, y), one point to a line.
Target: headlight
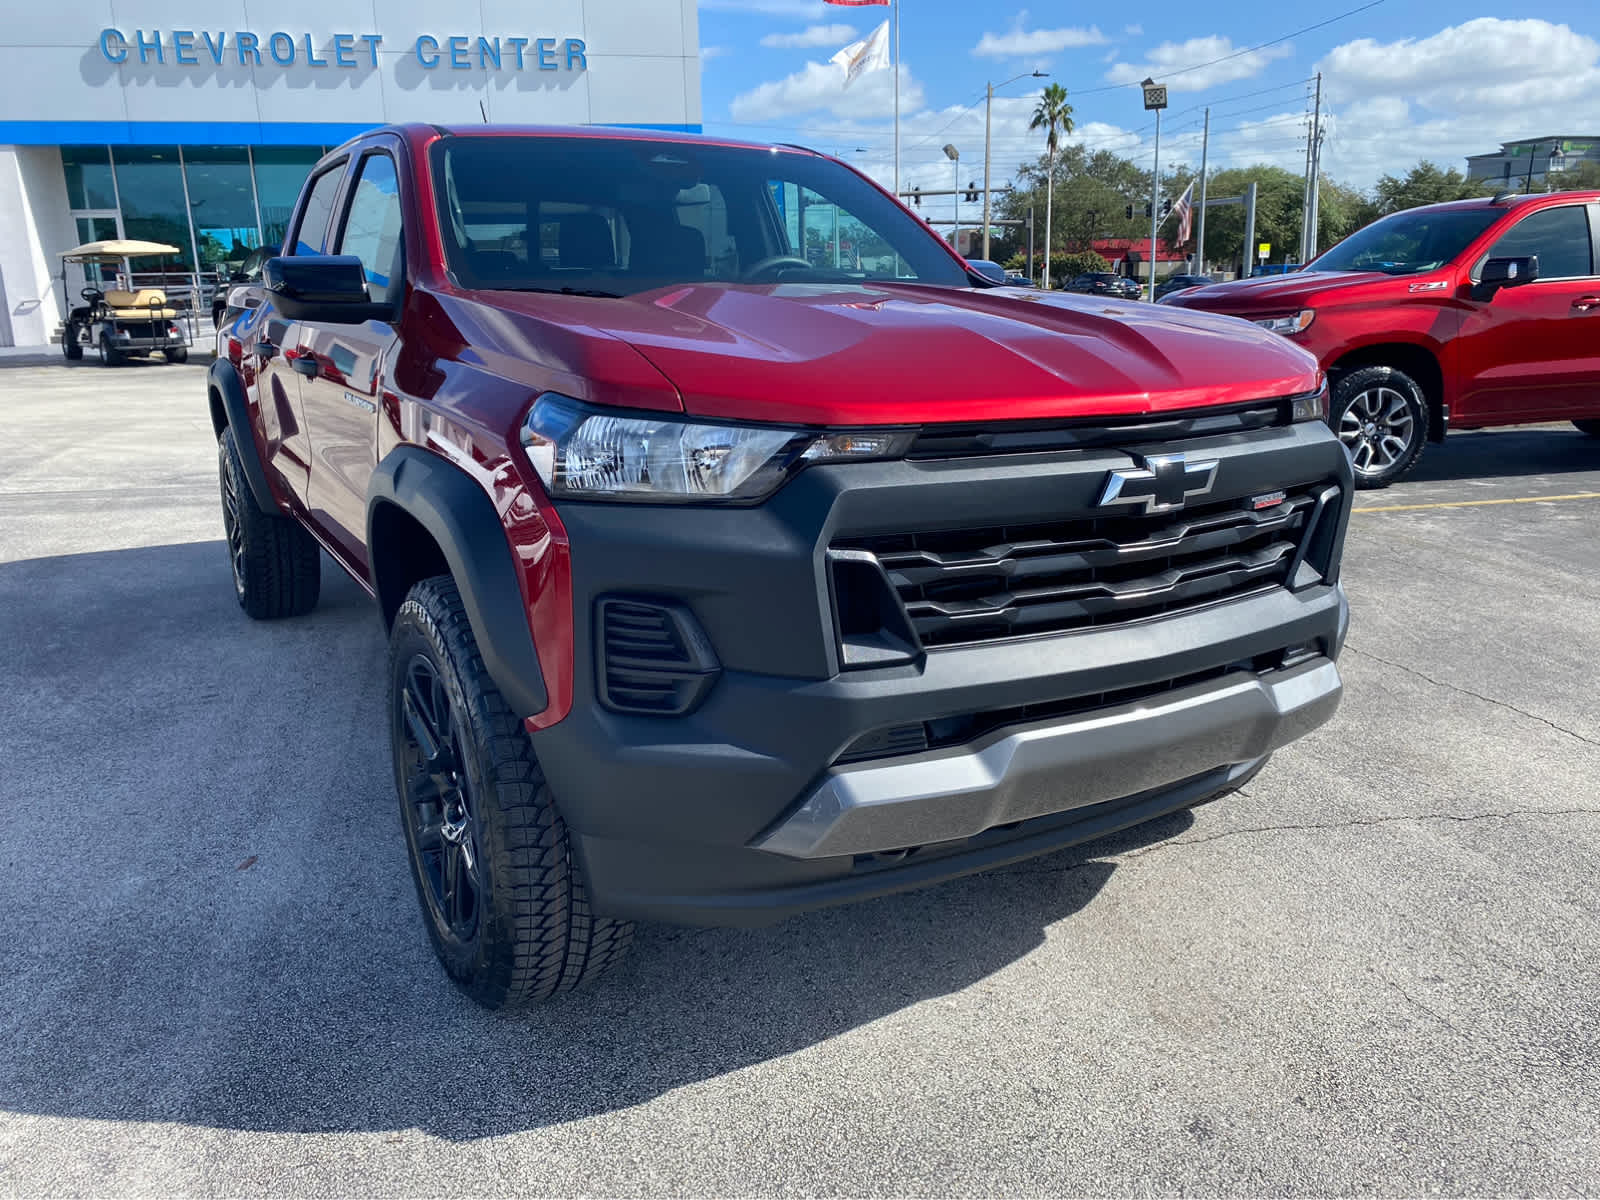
(585, 453)
(1295, 323)
(1313, 406)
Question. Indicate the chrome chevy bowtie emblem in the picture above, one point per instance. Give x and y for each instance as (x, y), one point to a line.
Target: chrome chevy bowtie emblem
(1164, 482)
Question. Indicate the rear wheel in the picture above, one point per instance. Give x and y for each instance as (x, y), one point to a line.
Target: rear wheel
(502, 895)
(178, 354)
(1381, 416)
(1592, 428)
(277, 565)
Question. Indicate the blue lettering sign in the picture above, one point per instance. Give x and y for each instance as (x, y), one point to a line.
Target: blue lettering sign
(311, 55)
(146, 46)
(183, 40)
(489, 51)
(458, 54)
(282, 50)
(247, 43)
(517, 44)
(372, 40)
(344, 49)
(115, 47)
(214, 48)
(433, 49)
(575, 51)
(547, 54)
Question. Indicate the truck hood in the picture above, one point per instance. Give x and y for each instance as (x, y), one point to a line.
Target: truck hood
(900, 354)
(1284, 293)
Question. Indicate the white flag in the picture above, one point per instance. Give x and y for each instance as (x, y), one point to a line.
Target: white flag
(871, 53)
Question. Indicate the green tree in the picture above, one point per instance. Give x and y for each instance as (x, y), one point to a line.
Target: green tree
(1425, 183)
(1054, 115)
(1582, 176)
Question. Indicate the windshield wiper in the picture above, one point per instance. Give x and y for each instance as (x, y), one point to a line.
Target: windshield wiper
(566, 291)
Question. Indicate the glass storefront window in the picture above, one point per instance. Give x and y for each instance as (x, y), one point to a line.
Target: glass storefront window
(150, 183)
(280, 172)
(88, 177)
(223, 205)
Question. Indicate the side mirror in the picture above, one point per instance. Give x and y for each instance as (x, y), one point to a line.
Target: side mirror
(330, 288)
(1506, 272)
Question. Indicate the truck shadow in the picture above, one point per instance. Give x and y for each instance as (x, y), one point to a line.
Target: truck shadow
(1508, 453)
(209, 918)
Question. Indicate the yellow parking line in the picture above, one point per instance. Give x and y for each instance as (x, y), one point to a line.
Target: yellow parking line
(1476, 503)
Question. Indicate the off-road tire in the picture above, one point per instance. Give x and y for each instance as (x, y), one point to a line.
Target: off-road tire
(1592, 428)
(277, 565)
(534, 935)
(110, 356)
(178, 354)
(1387, 386)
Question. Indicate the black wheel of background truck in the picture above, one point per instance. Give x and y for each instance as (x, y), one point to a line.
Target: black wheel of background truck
(178, 354)
(502, 895)
(110, 356)
(1381, 416)
(71, 347)
(277, 565)
(1592, 428)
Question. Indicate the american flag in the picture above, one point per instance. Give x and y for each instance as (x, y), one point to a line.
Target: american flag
(1185, 210)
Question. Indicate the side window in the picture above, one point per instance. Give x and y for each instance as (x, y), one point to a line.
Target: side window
(372, 227)
(311, 232)
(1559, 236)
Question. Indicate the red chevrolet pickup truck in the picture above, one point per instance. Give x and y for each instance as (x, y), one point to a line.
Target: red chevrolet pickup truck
(1467, 315)
(727, 572)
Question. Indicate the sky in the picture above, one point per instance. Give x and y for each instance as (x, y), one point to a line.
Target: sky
(1402, 80)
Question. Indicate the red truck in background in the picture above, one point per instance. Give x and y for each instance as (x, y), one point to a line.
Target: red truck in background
(725, 576)
(1463, 315)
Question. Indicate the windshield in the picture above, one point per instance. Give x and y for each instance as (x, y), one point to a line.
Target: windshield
(612, 217)
(1409, 242)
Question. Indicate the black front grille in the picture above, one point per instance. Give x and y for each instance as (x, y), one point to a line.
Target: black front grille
(972, 585)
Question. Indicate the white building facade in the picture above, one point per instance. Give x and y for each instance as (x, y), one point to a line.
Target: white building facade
(194, 122)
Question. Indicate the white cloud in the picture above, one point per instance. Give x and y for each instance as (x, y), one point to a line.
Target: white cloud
(1460, 91)
(801, 9)
(707, 53)
(1035, 43)
(1133, 30)
(820, 86)
(812, 36)
(1161, 64)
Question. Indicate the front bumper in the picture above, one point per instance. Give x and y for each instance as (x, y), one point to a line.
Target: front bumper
(740, 812)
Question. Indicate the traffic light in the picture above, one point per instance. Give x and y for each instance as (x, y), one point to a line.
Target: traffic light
(1166, 207)
(972, 190)
(916, 196)
(1129, 211)
(1147, 208)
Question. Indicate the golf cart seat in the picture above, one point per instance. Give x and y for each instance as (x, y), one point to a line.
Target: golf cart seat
(144, 305)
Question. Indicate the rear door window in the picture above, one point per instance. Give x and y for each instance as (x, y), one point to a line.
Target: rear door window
(311, 234)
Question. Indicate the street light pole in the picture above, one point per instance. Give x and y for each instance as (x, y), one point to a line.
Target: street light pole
(988, 126)
(1155, 98)
(954, 156)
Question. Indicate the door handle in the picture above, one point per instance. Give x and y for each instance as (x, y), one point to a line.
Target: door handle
(303, 364)
(265, 348)
(1585, 304)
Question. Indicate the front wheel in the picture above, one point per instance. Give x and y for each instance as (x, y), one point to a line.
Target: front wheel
(1381, 416)
(110, 356)
(502, 894)
(71, 347)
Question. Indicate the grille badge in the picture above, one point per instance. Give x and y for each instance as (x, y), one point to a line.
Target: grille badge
(1164, 482)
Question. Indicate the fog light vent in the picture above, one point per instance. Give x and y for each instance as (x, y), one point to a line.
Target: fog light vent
(653, 657)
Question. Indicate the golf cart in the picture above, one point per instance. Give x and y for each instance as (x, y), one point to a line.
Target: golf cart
(117, 322)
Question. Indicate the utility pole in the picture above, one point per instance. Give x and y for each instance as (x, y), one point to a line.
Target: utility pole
(988, 126)
(1249, 228)
(1155, 97)
(1308, 210)
(1316, 196)
(1200, 234)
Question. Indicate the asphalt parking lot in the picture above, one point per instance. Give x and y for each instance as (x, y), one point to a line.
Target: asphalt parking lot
(1376, 971)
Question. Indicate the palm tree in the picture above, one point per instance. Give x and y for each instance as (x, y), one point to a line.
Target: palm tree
(1054, 115)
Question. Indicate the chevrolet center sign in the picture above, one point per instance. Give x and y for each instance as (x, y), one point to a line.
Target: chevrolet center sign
(461, 52)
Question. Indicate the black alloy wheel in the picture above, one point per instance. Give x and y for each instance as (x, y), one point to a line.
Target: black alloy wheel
(442, 826)
(233, 524)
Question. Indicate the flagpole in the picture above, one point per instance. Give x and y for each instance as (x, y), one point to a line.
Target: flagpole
(895, 13)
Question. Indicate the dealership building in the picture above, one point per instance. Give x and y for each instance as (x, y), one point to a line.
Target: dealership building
(194, 124)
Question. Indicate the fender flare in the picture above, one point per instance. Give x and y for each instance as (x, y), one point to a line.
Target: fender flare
(224, 379)
(458, 514)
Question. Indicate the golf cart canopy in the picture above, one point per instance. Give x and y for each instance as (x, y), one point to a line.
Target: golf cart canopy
(115, 250)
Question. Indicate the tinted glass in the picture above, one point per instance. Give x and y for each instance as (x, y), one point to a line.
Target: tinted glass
(1409, 242)
(223, 204)
(623, 216)
(280, 173)
(150, 182)
(372, 227)
(310, 234)
(88, 171)
(1559, 236)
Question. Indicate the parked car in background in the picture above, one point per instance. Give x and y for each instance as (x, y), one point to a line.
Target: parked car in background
(1017, 279)
(1106, 283)
(1178, 283)
(720, 585)
(1283, 268)
(1470, 314)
